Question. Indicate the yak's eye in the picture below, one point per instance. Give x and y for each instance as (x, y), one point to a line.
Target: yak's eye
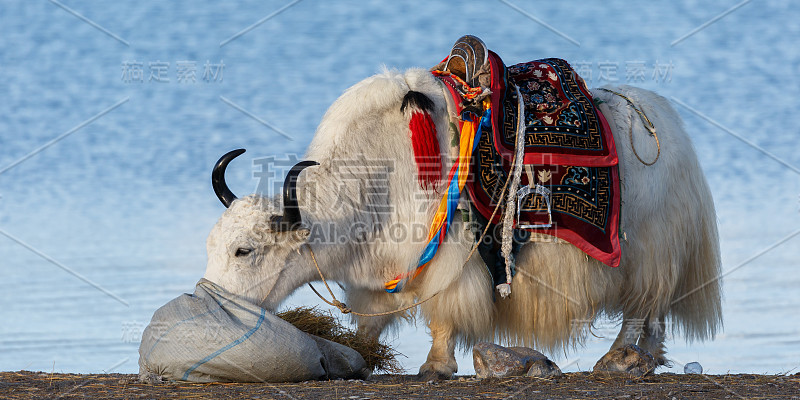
(241, 251)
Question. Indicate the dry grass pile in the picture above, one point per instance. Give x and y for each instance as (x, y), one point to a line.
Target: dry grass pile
(379, 356)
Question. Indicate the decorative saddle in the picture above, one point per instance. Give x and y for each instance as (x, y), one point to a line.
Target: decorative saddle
(570, 189)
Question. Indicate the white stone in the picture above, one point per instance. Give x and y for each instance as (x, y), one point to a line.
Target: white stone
(693, 367)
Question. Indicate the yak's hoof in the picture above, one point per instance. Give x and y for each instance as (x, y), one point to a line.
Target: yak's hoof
(433, 376)
(428, 372)
(630, 359)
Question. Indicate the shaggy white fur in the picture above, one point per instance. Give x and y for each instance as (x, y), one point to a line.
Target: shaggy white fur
(367, 218)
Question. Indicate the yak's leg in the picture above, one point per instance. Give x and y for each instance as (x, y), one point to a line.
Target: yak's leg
(629, 333)
(441, 363)
(647, 333)
(652, 339)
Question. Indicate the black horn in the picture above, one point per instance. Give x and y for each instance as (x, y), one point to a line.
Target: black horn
(218, 177)
(290, 220)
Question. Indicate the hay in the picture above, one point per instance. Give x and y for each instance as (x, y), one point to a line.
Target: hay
(379, 356)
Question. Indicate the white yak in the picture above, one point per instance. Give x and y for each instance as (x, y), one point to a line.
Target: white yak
(363, 223)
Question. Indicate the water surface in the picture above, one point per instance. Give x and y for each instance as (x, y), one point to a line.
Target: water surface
(125, 202)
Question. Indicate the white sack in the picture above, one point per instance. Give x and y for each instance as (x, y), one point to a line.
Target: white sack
(214, 336)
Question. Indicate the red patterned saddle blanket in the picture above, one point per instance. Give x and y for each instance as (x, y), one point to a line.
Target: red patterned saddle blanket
(569, 150)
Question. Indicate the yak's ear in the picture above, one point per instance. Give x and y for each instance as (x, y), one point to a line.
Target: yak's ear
(423, 138)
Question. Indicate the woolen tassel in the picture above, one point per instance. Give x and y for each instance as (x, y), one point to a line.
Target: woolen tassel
(426, 149)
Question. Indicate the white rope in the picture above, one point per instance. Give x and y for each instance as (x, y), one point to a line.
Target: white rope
(508, 218)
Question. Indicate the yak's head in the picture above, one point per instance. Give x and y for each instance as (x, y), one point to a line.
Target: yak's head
(370, 179)
(255, 246)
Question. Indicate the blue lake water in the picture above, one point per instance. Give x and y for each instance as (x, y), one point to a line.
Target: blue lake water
(102, 223)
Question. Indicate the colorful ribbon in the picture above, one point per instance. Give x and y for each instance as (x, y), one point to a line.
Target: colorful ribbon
(468, 142)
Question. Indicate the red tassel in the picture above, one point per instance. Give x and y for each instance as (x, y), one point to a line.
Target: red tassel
(426, 149)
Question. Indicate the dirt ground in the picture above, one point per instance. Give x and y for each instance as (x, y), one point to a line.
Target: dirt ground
(579, 385)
